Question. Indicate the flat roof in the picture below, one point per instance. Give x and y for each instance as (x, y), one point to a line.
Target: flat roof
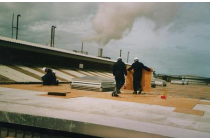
(100, 114)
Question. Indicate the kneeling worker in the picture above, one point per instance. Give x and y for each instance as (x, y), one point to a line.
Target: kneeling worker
(49, 78)
(137, 75)
(119, 70)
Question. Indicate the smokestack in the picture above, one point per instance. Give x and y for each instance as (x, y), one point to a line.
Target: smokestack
(128, 57)
(120, 52)
(82, 48)
(100, 50)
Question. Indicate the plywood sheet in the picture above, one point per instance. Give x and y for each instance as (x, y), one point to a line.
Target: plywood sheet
(145, 81)
(129, 80)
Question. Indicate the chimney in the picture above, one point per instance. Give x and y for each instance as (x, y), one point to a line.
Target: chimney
(82, 48)
(100, 50)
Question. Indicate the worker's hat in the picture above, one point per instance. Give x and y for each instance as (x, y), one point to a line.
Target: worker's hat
(136, 58)
(119, 58)
(44, 68)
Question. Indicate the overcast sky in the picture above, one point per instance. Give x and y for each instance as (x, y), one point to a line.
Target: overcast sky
(172, 38)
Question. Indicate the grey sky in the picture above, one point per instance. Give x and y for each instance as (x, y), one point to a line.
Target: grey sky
(172, 38)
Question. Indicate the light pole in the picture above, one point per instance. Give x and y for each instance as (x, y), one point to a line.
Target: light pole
(17, 25)
(12, 24)
(52, 36)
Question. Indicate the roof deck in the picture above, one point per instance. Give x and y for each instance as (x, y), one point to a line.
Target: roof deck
(184, 113)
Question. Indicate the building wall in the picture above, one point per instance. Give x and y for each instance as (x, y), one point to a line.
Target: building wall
(26, 57)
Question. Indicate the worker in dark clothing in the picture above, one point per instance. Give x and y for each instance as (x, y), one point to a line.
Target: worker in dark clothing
(55, 81)
(119, 70)
(137, 75)
(49, 78)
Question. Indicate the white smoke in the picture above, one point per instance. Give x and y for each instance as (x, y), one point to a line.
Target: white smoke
(115, 20)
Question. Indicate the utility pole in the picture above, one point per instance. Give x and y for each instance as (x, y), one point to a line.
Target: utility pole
(120, 52)
(17, 25)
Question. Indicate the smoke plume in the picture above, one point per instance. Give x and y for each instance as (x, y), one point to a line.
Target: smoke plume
(115, 20)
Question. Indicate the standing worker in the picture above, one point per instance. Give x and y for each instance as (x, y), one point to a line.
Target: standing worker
(137, 75)
(119, 70)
